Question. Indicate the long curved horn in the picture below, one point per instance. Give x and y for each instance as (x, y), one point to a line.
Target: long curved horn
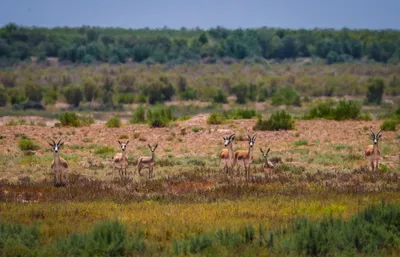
(373, 133)
(59, 141)
(379, 132)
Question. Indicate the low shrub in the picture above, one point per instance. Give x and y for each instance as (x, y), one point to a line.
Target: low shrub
(139, 115)
(215, 119)
(72, 119)
(343, 110)
(278, 120)
(26, 144)
(389, 125)
(114, 122)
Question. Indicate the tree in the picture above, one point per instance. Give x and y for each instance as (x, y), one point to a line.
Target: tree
(89, 89)
(241, 91)
(33, 91)
(3, 96)
(375, 88)
(73, 95)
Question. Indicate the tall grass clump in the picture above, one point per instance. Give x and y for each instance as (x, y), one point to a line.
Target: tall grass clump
(18, 240)
(278, 120)
(108, 238)
(215, 119)
(114, 122)
(240, 113)
(72, 119)
(343, 110)
(159, 116)
(139, 115)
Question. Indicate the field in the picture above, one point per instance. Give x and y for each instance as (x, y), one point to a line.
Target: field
(323, 172)
(321, 199)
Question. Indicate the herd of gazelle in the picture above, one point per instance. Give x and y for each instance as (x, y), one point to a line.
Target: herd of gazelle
(228, 158)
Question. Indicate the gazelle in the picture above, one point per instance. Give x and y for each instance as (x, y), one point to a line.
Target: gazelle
(245, 157)
(59, 165)
(120, 160)
(147, 162)
(267, 163)
(372, 152)
(226, 154)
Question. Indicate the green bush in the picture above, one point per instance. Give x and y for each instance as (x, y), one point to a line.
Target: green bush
(215, 119)
(26, 144)
(286, 96)
(344, 110)
(50, 97)
(278, 120)
(389, 125)
(73, 95)
(375, 88)
(240, 113)
(159, 116)
(33, 91)
(220, 97)
(17, 237)
(139, 115)
(114, 122)
(241, 91)
(3, 96)
(126, 98)
(69, 119)
(108, 238)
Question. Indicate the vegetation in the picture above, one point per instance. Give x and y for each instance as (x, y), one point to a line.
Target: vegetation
(116, 45)
(278, 120)
(26, 144)
(74, 120)
(389, 125)
(114, 122)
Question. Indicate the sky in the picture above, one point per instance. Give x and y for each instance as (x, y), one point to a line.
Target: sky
(205, 14)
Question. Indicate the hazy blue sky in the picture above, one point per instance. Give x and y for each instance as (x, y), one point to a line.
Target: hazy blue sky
(373, 14)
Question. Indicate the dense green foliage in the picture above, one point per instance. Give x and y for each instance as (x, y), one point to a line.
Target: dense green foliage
(114, 122)
(342, 110)
(116, 45)
(157, 116)
(72, 119)
(389, 125)
(278, 120)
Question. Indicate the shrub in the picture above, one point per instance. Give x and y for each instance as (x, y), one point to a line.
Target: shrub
(89, 89)
(220, 97)
(286, 96)
(114, 122)
(375, 88)
(389, 125)
(344, 110)
(15, 235)
(215, 119)
(240, 114)
(159, 116)
(3, 96)
(33, 91)
(241, 93)
(26, 144)
(278, 120)
(347, 110)
(73, 95)
(139, 115)
(126, 98)
(196, 129)
(69, 119)
(50, 97)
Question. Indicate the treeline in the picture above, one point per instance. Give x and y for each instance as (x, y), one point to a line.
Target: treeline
(116, 45)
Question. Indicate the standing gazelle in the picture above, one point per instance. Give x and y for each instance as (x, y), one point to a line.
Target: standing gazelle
(59, 165)
(372, 152)
(245, 157)
(147, 162)
(121, 160)
(226, 154)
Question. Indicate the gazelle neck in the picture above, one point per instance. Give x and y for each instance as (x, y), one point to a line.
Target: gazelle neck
(230, 150)
(375, 149)
(56, 158)
(250, 153)
(153, 156)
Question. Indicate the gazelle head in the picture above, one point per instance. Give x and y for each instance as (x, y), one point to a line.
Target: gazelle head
(56, 146)
(123, 145)
(265, 154)
(252, 140)
(152, 149)
(375, 137)
(228, 140)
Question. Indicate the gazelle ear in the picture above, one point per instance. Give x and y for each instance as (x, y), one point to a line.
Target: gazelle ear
(261, 150)
(268, 150)
(119, 142)
(61, 144)
(254, 137)
(224, 138)
(155, 146)
(127, 142)
(232, 137)
(50, 144)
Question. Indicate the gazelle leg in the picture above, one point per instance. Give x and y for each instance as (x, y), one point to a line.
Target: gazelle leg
(377, 165)
(372, 165)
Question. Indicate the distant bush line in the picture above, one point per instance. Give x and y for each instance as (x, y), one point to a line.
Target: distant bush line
(117, 45)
